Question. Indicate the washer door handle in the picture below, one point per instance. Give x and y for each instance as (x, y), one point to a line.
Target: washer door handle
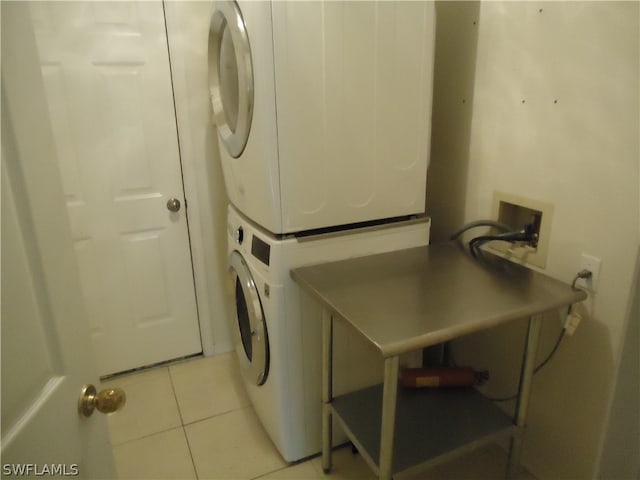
(255, 355)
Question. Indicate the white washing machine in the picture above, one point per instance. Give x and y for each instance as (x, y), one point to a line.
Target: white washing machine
(277, 328)
(323, 109)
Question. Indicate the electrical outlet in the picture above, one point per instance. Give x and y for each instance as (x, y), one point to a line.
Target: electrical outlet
(591, 263)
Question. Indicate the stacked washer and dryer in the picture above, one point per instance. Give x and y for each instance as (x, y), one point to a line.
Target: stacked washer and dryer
(323, 113)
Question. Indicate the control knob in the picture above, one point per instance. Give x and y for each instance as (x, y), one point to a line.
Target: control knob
(239, 235)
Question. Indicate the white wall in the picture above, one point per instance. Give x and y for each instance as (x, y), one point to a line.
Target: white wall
(552, 113)
(188, 33)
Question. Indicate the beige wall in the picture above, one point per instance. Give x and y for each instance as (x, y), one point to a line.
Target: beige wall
(550, 112)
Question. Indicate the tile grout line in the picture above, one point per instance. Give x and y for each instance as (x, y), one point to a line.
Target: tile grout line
(209, 417)
(135, 379)
(175, 396)
(193, 463)
(269, 473)
(185, 424)
(125, 442)
(219, 414)
(184, 432)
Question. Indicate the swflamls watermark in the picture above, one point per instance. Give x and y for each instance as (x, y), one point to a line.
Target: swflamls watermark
(37, 470)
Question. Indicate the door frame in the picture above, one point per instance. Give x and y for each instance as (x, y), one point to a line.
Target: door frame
(204, 190)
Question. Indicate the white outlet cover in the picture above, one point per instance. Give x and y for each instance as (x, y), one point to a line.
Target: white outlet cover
(591, 263)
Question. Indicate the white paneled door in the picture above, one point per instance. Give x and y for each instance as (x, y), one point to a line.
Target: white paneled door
(107, 78)
(46, 356)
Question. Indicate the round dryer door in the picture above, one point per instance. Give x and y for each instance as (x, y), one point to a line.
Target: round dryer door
(250, 329)
(230, 76)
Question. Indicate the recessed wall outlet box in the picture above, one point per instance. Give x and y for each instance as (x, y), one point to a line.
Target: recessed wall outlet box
(517, 211)
(591, 263)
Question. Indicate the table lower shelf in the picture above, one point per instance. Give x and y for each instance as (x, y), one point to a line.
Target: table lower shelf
(429, 423)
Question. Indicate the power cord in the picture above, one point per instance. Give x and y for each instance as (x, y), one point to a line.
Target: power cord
(526, 235)
(481, 223)
(584, 274)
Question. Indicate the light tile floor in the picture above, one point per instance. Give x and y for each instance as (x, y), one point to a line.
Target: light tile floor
(193, 420)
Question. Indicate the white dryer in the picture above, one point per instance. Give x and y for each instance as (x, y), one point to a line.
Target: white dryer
(323, 109)
(277, 328)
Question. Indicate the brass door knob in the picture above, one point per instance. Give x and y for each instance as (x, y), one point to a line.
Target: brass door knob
(109, 400)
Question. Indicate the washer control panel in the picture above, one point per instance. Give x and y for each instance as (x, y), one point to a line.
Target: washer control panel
(249, 243)
(238, 235)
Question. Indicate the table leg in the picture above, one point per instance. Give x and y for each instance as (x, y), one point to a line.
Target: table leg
(524, 392)
(327, 389)
(389, 397)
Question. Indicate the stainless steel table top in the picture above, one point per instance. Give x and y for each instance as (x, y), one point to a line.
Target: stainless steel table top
(410, 299)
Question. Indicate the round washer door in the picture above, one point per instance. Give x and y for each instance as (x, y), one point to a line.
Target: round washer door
(230, 76)
(250, 329)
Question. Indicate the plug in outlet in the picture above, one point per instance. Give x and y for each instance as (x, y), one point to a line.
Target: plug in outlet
(591, 263)
(572, 322)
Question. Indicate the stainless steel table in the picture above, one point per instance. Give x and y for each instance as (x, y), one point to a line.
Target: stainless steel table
(411, 299)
